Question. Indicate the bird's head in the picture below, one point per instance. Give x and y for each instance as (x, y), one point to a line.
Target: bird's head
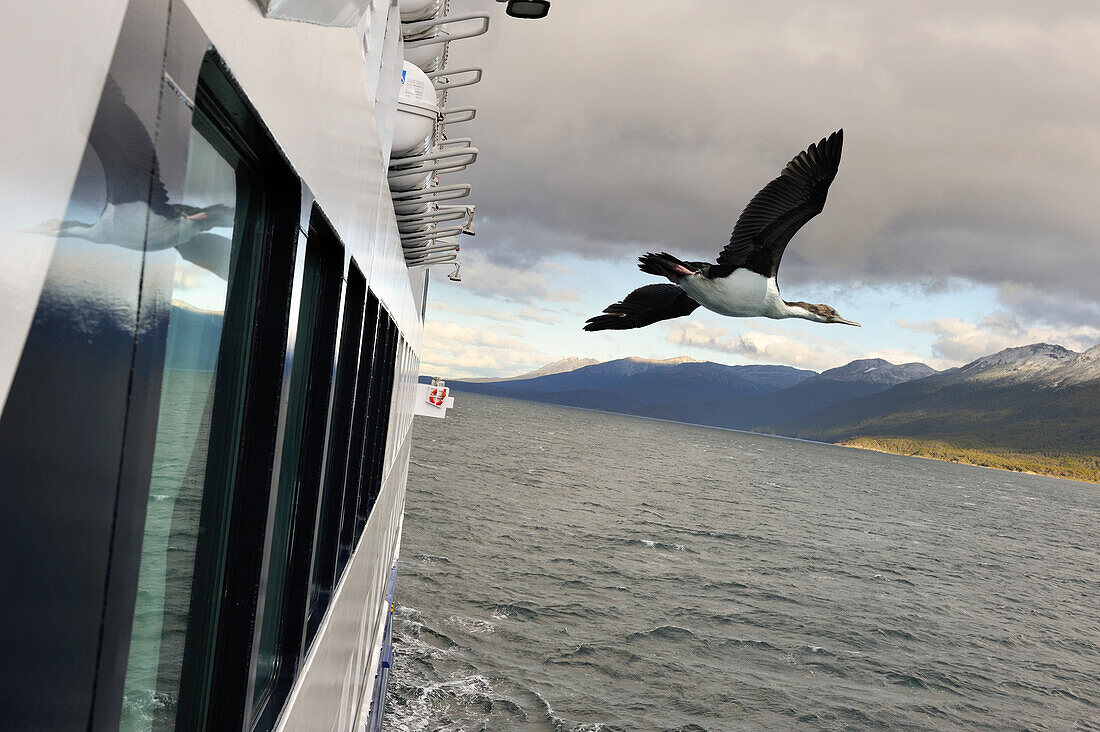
(820, 313)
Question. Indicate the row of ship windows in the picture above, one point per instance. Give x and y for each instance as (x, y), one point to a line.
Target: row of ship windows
(278, 381)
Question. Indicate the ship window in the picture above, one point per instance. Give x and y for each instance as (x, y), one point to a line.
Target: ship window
(350, 526)
(369, 464)
(385, 428)
(379, 418)
(372, 464)
(219, 404)
(328, 521)
(182, 449)
(311, 341)
(384, 408)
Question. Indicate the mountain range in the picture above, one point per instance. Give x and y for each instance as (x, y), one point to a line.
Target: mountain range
(1040, 387)
(193, 338)
(631, 385)
(1033, 408)
(566, 364)
(856, 379)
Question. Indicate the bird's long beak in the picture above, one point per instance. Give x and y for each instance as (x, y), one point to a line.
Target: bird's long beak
(49, 227)
(845, 322)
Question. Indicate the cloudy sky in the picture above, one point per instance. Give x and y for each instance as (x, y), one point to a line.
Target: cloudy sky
(965, 217)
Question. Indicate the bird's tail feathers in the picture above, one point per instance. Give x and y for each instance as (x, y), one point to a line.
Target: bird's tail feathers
(662, 265)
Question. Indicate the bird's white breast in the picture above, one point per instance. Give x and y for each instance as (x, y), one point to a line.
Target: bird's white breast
(743, 294)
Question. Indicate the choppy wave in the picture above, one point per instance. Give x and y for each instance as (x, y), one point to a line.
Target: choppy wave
(663, 633)
(799, 587)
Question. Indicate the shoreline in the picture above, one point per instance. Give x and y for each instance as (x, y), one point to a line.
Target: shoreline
(860, 443)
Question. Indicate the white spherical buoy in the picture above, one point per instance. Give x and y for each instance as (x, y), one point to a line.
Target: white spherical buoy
(412, 10)
(417, 111)
(427, 57)
(415, 178)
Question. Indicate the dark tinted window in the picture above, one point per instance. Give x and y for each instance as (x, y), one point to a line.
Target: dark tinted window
(311, 341)
(351, 526)
(339, 442)
(204, 542)
(182, 454)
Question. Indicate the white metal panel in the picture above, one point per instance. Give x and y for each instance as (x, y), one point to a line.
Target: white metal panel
(330, 684)
(322, 12)
(49, 101)
(372, 29)
(340, 157)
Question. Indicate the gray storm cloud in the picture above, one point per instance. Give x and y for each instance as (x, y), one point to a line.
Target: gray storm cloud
(972, 135)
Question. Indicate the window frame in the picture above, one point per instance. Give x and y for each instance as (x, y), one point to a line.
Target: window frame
(216, 672)
(324, 255)
(326, 542)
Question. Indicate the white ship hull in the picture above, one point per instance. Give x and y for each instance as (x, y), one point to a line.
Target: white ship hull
(94, 349)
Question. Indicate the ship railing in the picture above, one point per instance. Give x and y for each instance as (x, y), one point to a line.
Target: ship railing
(438, 216)
(432, 195)
(452, 246)
(452, 116)
(439, 162)
(430, 261)
(409, 240)
(419, 202)
(419, 33)
(442, 79)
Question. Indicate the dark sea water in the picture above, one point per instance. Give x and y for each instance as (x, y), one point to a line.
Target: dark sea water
(573, 570)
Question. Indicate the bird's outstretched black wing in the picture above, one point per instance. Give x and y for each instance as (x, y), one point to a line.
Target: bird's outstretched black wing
(126, 152)
(645, 305)
(780, 209)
